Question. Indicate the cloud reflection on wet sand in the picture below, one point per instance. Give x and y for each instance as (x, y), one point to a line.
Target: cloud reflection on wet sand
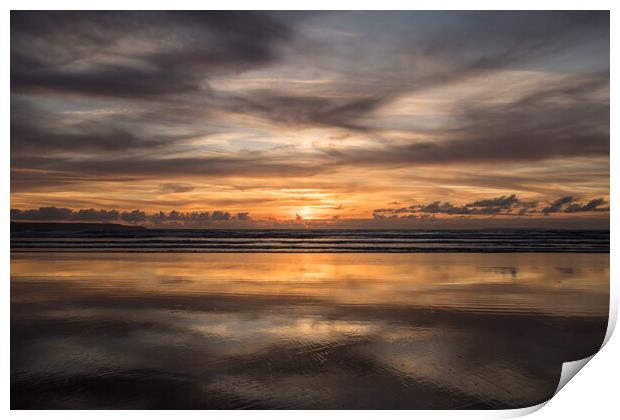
(300, 330)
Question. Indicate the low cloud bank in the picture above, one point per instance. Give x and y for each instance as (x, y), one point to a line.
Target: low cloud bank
(479, 211)
(507, 205)
(60, 214)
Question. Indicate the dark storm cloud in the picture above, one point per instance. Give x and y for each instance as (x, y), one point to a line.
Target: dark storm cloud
(199, 43)
(504, 205)
(195, 218)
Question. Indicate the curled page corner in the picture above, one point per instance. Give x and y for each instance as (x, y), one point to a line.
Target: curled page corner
(569, 370)
(518, 412)
(613, 312)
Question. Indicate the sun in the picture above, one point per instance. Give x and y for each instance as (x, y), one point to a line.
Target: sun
(306, 212)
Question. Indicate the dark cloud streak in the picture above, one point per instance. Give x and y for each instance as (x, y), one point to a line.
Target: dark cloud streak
(206, 43)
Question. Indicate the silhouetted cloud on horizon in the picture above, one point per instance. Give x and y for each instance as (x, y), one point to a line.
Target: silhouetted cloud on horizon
(60, 214)
(505, 205)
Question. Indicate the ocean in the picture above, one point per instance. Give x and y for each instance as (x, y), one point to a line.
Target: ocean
(308, 240)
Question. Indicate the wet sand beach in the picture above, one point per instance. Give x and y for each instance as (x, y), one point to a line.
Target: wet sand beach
(229, 330)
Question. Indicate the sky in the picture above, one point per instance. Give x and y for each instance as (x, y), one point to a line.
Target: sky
(311, 119)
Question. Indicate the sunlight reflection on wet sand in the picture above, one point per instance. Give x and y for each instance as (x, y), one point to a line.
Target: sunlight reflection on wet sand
(300, 330)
